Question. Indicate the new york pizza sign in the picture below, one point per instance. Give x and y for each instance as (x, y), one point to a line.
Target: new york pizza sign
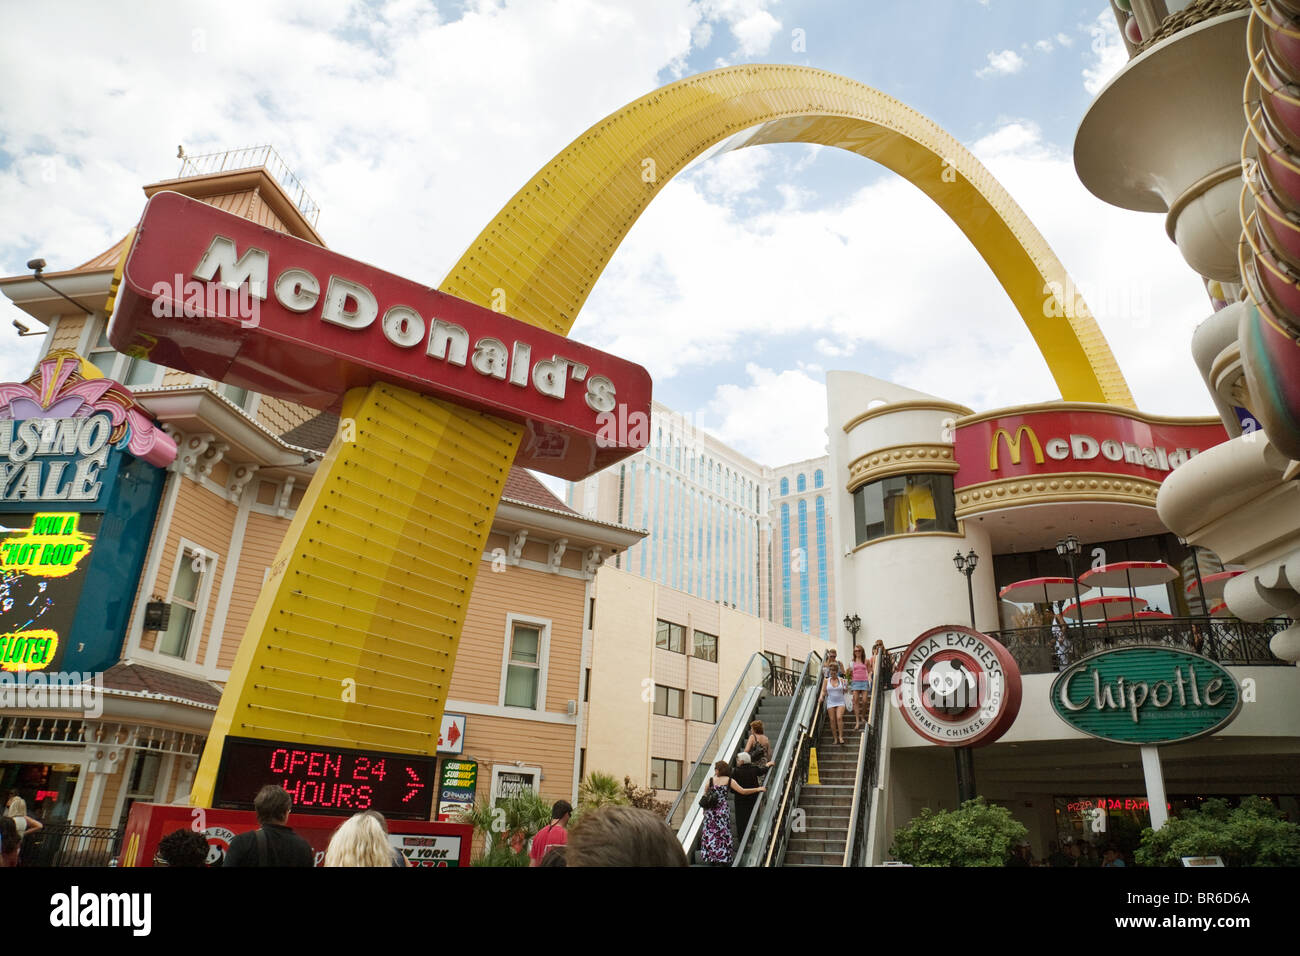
(229, 299)
(957, 687)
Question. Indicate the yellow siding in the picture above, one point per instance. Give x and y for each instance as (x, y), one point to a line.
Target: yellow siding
(68, 334)
(262, 538)
(112, 787)
(524, 592)
(208, 520)
(502, 741)
(280, 416)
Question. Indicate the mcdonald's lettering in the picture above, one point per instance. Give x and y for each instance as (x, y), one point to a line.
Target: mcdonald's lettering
(1085, 448)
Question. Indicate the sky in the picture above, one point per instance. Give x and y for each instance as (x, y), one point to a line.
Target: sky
(752, 273)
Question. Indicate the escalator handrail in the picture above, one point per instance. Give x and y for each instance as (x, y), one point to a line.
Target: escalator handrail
(740, 684)
(862, 785)
(807, 733)
(779, 751)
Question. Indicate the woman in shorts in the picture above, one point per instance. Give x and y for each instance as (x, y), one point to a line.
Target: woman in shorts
(859, 684)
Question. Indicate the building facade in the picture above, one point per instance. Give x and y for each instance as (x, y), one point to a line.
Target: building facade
(207, 524)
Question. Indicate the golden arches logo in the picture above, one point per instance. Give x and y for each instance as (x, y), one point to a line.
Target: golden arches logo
(1013, 445)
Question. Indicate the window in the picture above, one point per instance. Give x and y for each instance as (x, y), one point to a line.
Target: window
(704, 708)
(193, 565)
(904, 504)
(671, 637)
(131, 372)
(525, 655)
(776, 660)
(586, 688)
(665, 774)
(785, 487)
(668, 701)
(706, 646)
(143, 784)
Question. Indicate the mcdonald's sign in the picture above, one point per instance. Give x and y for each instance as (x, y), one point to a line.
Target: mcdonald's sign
(1076, 439)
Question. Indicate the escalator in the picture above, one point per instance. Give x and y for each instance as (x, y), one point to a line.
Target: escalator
(831, 822)
(834, 821)
(762, 692)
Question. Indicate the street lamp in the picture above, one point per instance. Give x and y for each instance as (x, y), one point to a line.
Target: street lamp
(1196, 566)
(1069, 548)
(966, 565)
(854, 624)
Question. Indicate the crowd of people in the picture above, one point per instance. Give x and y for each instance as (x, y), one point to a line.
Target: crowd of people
(1079, 854)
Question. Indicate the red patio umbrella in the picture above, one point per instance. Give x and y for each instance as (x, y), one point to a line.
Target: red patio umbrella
(1094, 609)
(1129, 574)
(1214, 584)
(1141, 616)
(1029, 590)
(1221, 610)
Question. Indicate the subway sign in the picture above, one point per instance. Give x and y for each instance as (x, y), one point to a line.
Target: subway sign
(229, 299)
(1077, 438)
(1146, 695)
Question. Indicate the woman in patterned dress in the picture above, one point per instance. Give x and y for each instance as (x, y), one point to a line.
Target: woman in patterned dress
(715, 839)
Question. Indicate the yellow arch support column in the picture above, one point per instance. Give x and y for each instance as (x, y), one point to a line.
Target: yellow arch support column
(353, 638)
(549, 244)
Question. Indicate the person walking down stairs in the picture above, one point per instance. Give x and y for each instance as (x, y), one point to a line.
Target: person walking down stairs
(834, 692)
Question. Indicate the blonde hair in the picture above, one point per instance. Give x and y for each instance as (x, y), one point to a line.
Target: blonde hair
(17, 807)
(359, 841)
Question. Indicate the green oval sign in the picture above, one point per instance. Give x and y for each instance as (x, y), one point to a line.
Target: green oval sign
(1146, 695)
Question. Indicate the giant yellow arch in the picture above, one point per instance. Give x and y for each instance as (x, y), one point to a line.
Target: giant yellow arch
(549, 244)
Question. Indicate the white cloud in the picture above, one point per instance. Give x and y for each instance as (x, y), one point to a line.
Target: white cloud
(1065, 39)
(775, 418)
(750, 23)
(1002, 64)
(1044, 46)
(1108, 53)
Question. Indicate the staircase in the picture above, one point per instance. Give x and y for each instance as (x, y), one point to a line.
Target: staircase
(828, 806)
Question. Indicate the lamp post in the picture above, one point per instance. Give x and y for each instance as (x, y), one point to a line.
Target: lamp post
(854, 624)
(1200, 587)
(1070, 548)
(966, 565)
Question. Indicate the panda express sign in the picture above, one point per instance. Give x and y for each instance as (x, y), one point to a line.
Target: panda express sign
(957, 687)
(232, 300)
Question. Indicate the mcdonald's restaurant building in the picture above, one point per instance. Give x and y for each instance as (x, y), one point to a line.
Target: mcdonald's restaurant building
(141, 512)
(921, 480)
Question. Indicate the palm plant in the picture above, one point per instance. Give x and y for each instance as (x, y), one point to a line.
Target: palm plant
(507, 827)
(599, 790)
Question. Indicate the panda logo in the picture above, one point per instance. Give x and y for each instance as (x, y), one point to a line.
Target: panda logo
(953, 686)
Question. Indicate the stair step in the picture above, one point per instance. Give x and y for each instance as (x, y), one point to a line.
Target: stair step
(802, 858)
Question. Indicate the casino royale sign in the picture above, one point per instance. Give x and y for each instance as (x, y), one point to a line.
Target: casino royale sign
(1146, 695)
(957, 687)
(226, 298)
(49, 459)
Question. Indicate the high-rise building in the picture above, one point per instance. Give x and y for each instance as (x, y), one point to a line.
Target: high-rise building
(721, 526)
(802, 547)
(704, 505)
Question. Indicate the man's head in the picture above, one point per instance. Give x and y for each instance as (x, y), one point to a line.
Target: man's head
(742, 758)
(623, 836)
(561, 810)
(272, 804)
(181, 848)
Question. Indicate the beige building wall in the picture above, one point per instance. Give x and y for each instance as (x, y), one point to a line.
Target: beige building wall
(624, 733)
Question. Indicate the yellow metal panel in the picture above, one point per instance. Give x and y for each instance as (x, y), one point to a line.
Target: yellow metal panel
(353, 638)
(549, 244)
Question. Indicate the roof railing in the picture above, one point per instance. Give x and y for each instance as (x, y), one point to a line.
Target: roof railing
(251, 157)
